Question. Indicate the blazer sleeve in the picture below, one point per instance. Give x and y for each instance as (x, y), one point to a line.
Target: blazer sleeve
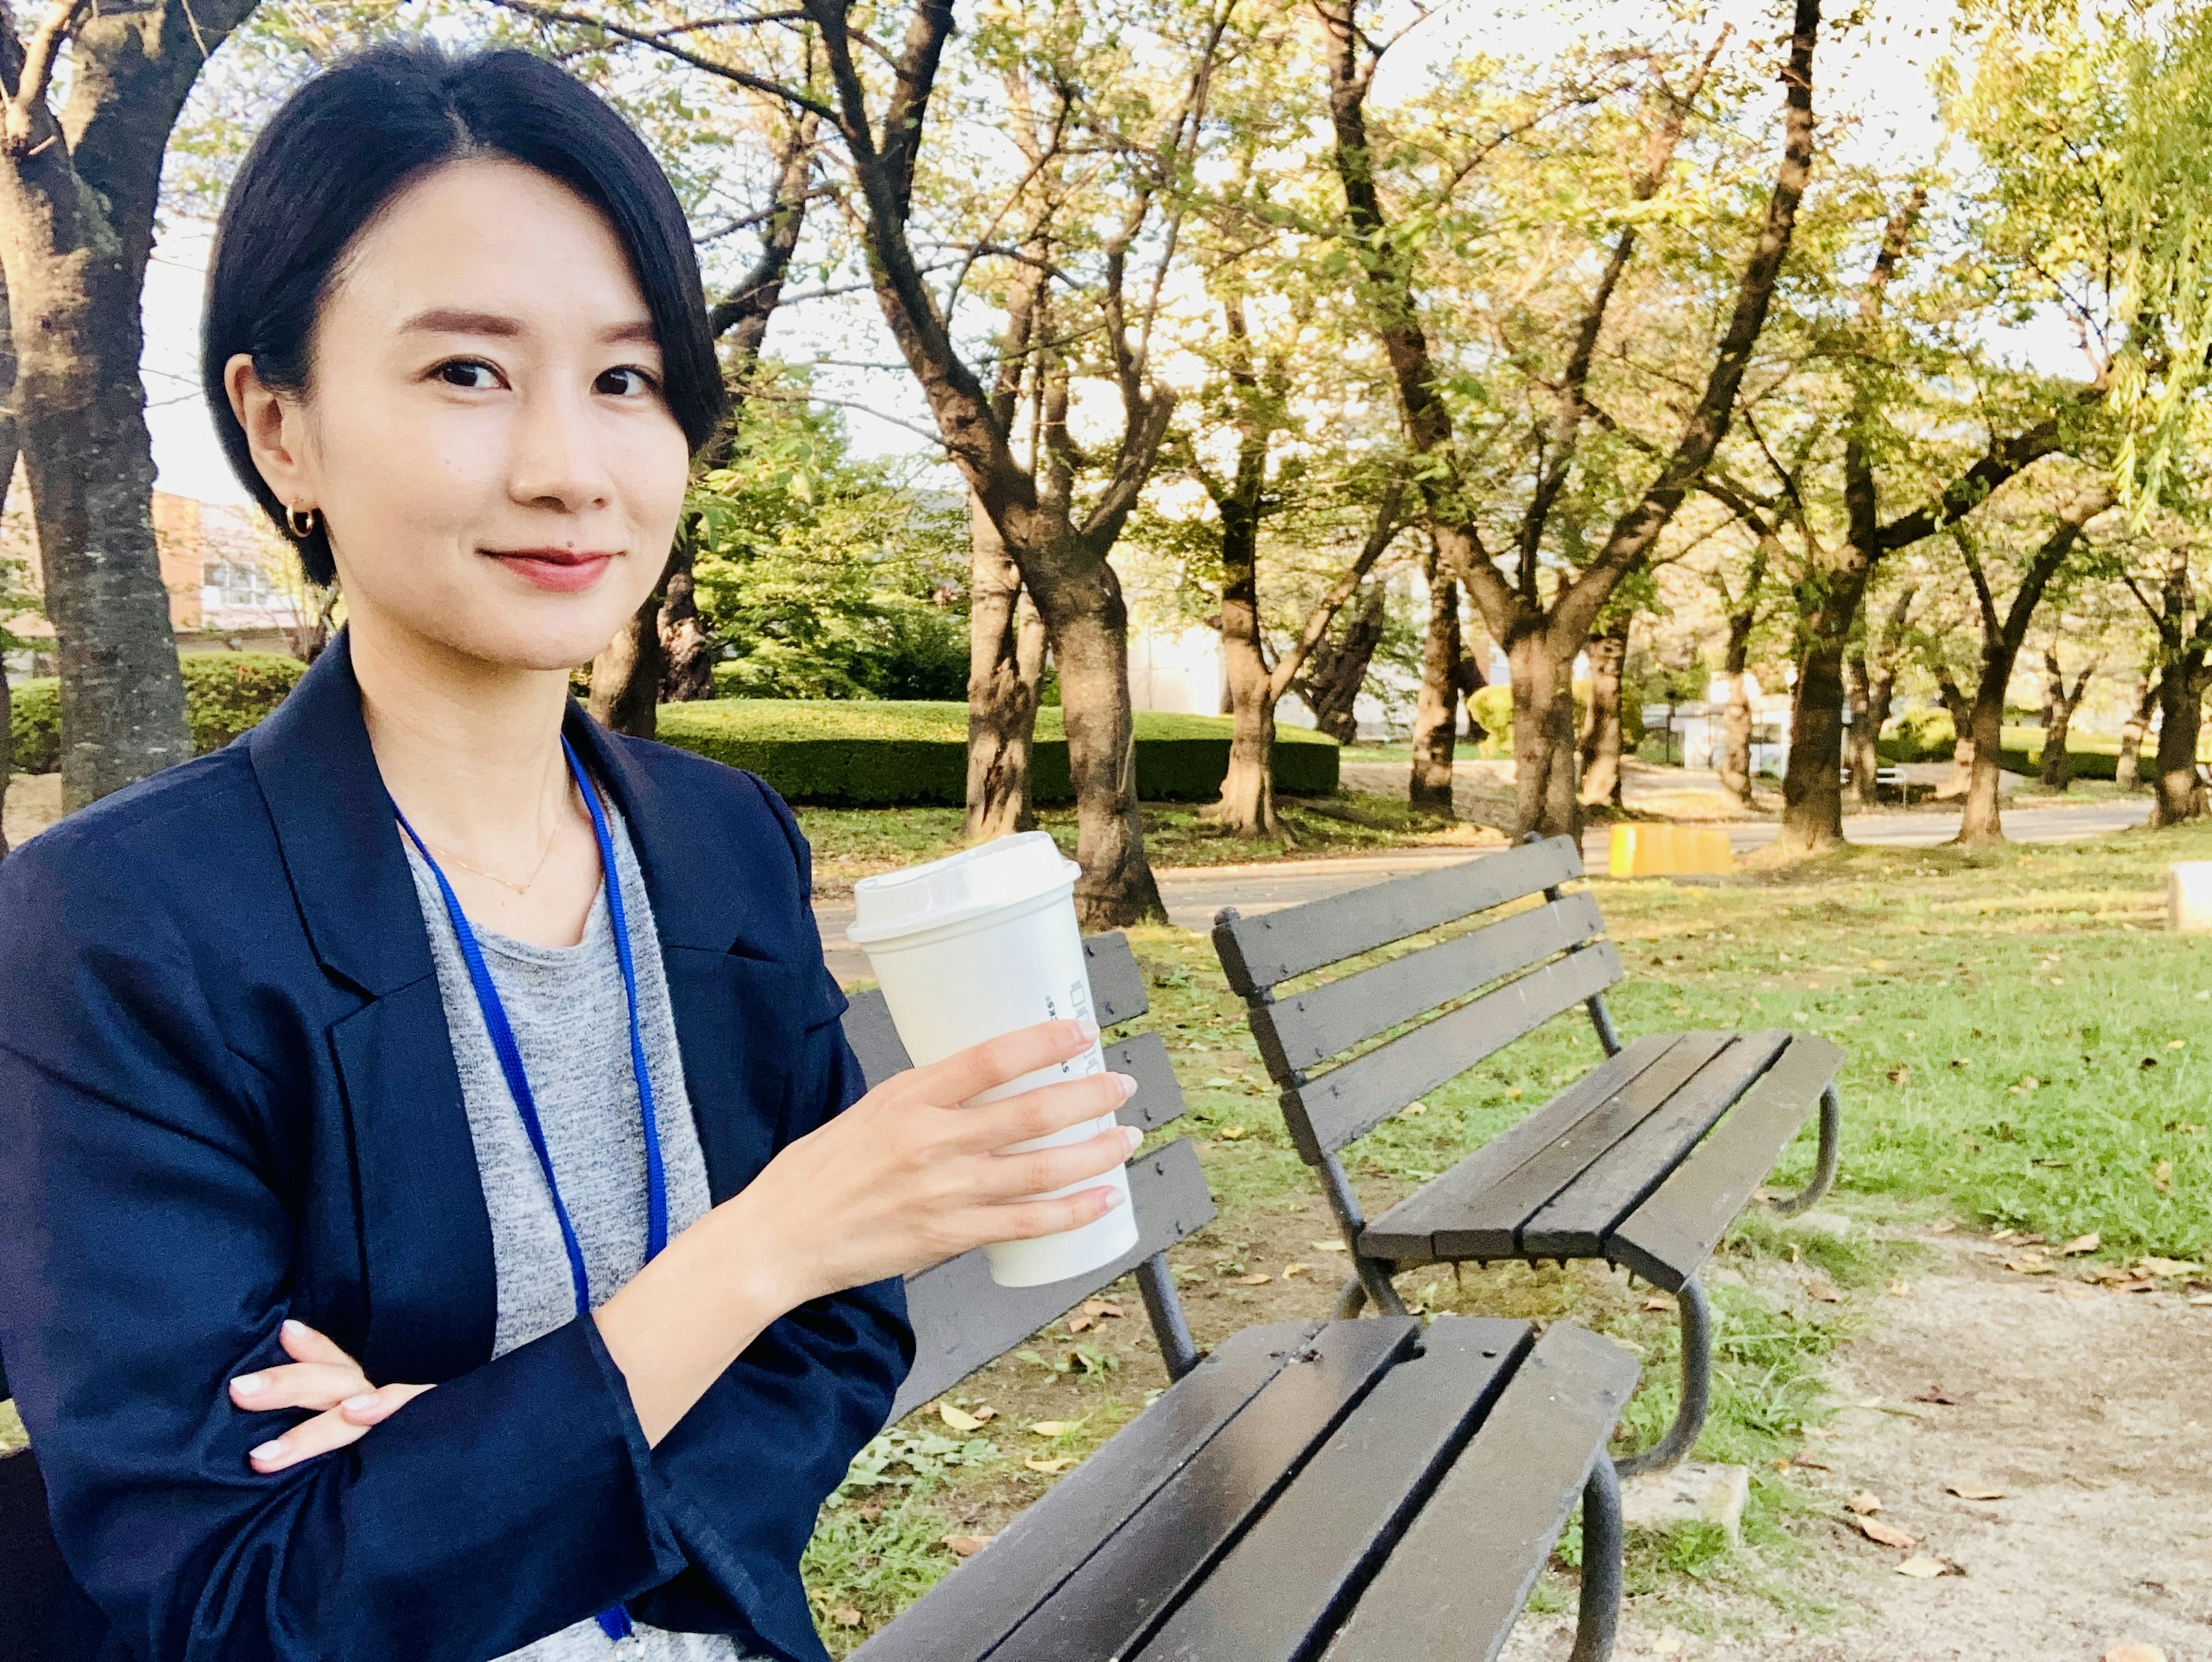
(784, 1422)
(147, 1220)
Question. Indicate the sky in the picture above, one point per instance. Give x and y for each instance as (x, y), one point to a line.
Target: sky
(1879, 72)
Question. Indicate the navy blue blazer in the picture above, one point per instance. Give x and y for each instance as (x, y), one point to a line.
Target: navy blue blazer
(228, 1097)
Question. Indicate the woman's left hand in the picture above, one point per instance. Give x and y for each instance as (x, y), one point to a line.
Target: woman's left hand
(321, 1376)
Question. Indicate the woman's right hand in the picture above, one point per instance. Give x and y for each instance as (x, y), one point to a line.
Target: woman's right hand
(913, 1173)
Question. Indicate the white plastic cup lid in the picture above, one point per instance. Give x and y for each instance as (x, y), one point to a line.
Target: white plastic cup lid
(1002, 873)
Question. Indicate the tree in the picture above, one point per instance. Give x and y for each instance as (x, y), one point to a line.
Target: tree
(2125, 768)
(77, 195)
(1336, 669)
(2183, 627)
(1873, 670)
(2002, 635)
(1542, 634)
(2059, 704)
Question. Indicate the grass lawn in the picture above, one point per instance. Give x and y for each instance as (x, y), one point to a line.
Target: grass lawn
(853, 843)
(2027, 1049)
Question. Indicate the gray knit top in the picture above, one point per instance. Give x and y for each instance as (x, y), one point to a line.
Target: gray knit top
(571, 1021)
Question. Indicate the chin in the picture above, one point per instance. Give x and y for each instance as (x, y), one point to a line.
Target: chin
(546, 632)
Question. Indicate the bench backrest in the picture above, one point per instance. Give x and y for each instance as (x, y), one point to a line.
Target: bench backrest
(1544, 960)
(962, 1318)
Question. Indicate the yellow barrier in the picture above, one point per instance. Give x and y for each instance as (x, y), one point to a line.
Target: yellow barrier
(1669, 851)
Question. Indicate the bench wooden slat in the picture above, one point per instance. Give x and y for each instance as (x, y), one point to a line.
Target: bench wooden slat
(1491, 1222)
(1576, 1224)
(1452, 1589)
(1325, 1536)
(1117, 984)
(962, 1318)
(1306, 1030)
(1158, 1100)
(1105, 1607)
(1674, 1231)
(966, 1615)
(1406, 1232)
(1259, 952)
(1117, 994)
(1348, 1102)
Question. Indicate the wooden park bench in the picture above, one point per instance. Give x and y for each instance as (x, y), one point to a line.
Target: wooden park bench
(1643, 1162)
(1366, 1491)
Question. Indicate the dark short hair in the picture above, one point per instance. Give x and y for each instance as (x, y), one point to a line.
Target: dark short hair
(350, 140)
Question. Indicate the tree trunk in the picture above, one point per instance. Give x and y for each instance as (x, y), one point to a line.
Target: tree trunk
(77, 223)
(1600, 753)
(1247, 808)
(1961, 709)
(1005, 672)
(687, 651)
(1435, 713)
(2178, 794)
(2057, 770)
(626, 675)
(2132, 733)
(1545, 799)
(1979, 826)
(1860, 754)
(1337, 670)
(1088, 625)
(1811, 780)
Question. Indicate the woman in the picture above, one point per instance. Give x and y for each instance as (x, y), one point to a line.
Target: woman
(388, 1049)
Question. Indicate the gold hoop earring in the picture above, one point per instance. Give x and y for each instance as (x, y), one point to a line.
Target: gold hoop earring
(300, 522)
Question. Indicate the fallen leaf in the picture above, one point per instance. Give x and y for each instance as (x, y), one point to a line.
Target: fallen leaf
(2033, 1265)
(2163, 1268)
(1865, 1503)
(1081, 1324)
(2002, 1234)
(1942, 1227)
(2177, 1044)
(1975, 1491)
(2150, 1062)
(2134, 1653)
(960, 1419)
(1899, 1074)
(1229, 1133)
(1255, 1279)
(1327, 1246)
(2162, 1178)
(2109, 1272)
(1921, 1568)
(1886, 1535)
(966, 1546)
(1899, 1288)
(1415, 1108)
(1807, 1460)
(1946, 1398)
(1658, 1301)
(2080, 1244)
(844, 1616)
(1100, 1307)
(2202, 1299)
(1053, 1467)
(871, 1512)
(1668, 1644)
(1053, 1427)
(1824, 1292)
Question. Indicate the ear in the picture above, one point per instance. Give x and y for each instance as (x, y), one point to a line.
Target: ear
(276, 431)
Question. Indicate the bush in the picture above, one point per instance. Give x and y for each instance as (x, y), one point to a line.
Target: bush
(1922, 735)
(225, 693)
(858, 753)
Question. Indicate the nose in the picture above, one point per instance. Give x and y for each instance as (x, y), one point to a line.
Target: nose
(557, 458)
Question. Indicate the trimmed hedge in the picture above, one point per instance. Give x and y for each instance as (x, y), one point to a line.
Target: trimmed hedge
(865, 753)
(225, 693)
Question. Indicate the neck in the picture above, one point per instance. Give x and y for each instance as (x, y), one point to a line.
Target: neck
(470, 750)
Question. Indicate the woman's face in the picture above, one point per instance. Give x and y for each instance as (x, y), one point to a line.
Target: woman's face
(484, 434)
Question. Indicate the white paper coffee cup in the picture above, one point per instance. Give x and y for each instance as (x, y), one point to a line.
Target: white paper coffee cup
(977, 945)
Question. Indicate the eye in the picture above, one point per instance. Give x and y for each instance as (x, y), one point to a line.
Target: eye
(473, 375)
(626, 381)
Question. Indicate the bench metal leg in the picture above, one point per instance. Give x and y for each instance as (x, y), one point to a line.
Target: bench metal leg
(1156, 1281)
(1824, 1169)
(1697, 1386)
(1597, 1619)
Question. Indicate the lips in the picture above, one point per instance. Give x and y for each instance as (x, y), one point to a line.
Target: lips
(563, 570)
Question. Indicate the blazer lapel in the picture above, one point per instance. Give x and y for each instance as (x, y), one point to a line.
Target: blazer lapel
(426, 1237)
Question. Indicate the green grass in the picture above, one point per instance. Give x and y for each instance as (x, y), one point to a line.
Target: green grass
(2045, 962)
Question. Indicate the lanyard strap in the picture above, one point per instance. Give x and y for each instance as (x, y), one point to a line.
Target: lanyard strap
(615, 1622)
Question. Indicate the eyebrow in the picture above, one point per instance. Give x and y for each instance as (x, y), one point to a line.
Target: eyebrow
(451, 320)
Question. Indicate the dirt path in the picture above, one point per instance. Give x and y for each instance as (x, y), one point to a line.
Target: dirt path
(2092, 1412)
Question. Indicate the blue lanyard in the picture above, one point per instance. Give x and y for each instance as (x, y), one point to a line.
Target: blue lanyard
(616, 1623)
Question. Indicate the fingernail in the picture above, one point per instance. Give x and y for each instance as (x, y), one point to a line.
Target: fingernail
(272, 1449)
(250, 1384)
(1116, 1197)
(1129, 1085)
(1085, 1028)
(1131, 1136)
(294, 1328)
(358, 1405)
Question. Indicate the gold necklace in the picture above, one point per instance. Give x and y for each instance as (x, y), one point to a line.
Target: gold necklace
(523, 887)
